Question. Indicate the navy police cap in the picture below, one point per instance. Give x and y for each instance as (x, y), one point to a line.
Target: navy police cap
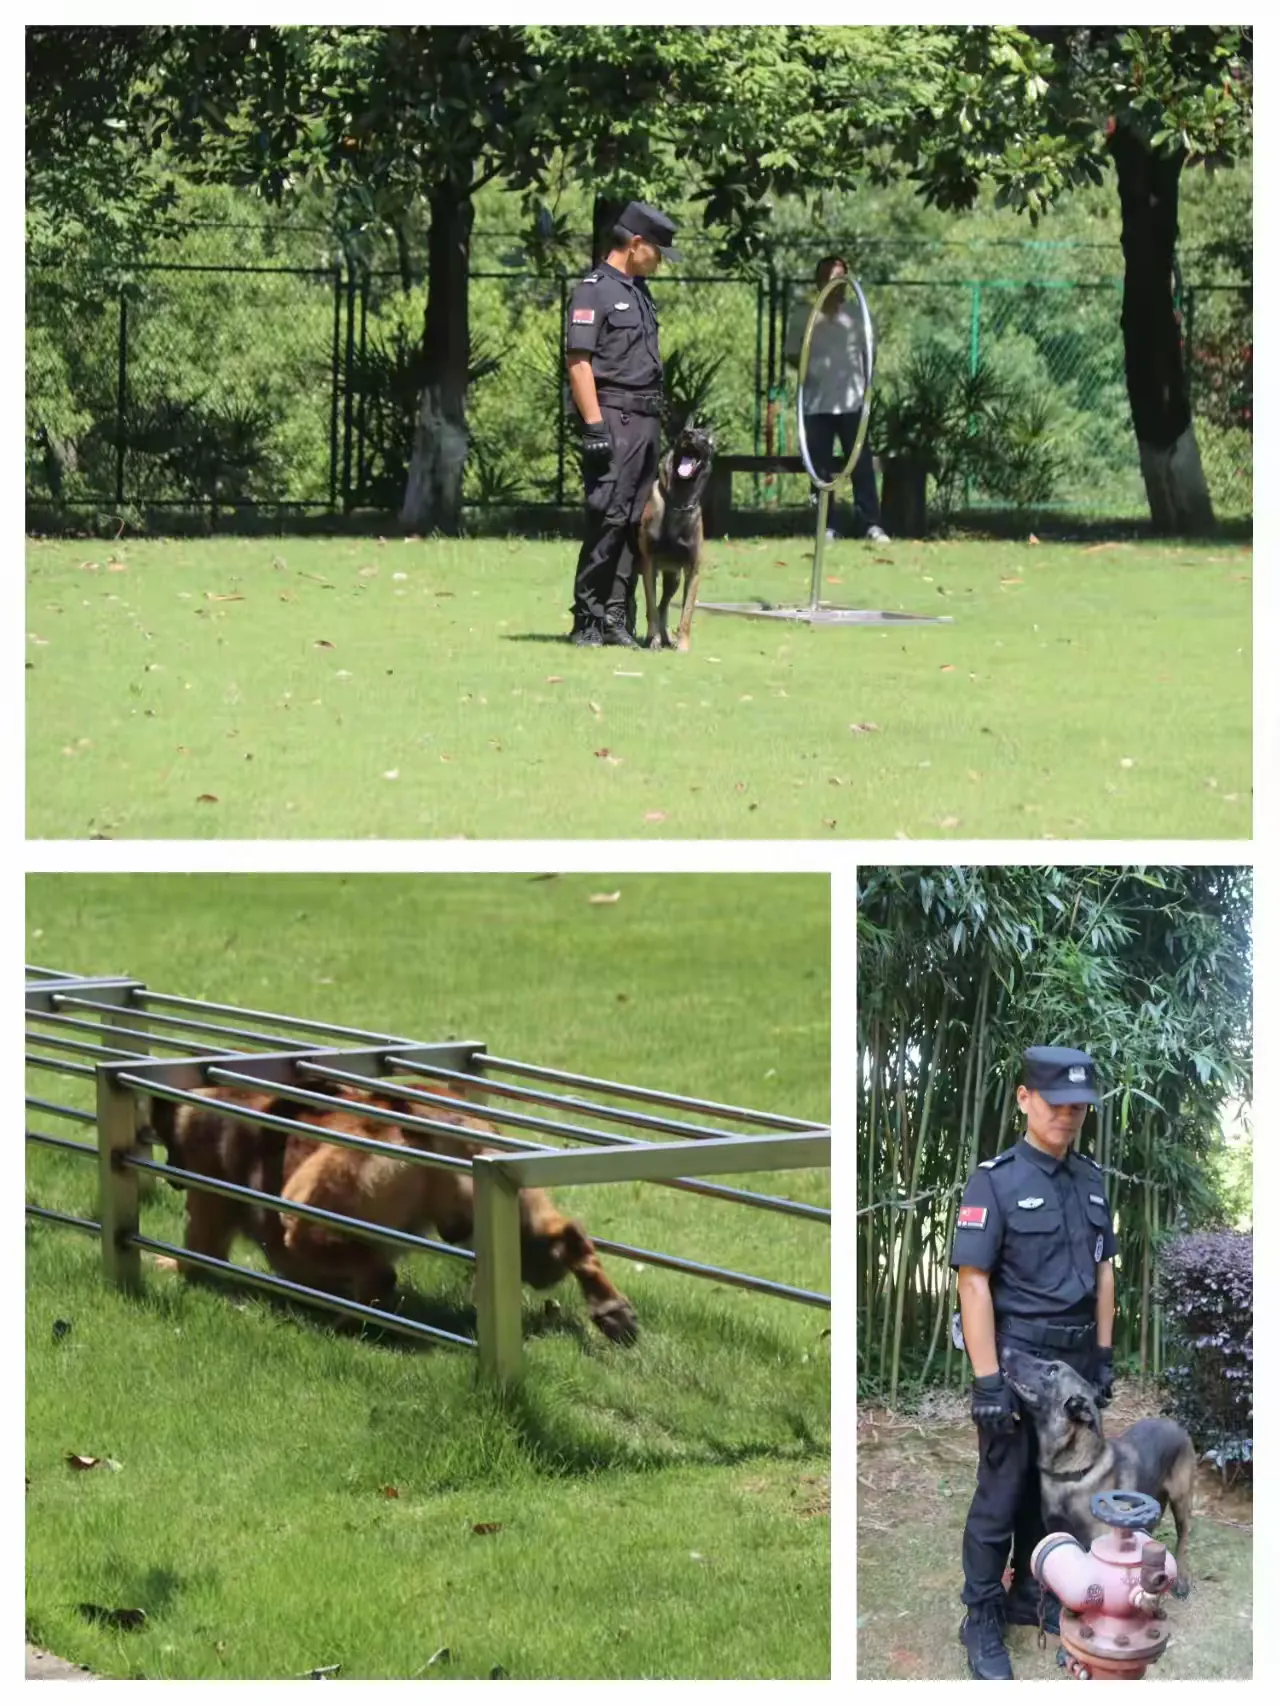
(1061, 1075)
(638, 219)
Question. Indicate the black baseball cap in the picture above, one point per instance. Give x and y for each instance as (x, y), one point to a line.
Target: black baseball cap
(1061, 1075)
(638, 219)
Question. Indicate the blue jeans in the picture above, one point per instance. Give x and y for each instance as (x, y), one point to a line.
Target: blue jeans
(821, 433)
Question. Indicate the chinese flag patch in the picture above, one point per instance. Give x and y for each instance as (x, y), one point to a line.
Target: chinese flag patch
(976, 1217)
(584, 316)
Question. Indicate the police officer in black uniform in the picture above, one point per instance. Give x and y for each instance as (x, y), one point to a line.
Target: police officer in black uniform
(1033, 1246)
(615, 378)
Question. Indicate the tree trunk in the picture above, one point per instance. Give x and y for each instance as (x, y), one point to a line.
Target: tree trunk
(433, 492)
(1155, 374)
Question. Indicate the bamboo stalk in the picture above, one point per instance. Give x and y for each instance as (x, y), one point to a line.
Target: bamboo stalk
(926, 1108)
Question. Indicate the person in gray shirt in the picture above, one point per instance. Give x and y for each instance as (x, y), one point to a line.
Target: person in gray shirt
(835, 387)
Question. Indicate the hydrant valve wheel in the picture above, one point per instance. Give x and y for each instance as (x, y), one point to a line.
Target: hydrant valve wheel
(1119, 1509)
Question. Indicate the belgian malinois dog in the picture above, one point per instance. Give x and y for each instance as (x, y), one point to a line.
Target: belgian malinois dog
(1155, 1456)
(401, 1195)
(671, 535)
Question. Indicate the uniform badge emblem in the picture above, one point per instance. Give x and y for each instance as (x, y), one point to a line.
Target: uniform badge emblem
(622, 305)
(1097, 1250)
(972, 1216)
(584, 316)
(1031, 1202)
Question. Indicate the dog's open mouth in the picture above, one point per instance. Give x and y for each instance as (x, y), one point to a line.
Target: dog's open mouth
(686, 467)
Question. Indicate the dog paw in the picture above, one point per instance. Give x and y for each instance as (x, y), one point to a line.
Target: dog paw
(617, 1321)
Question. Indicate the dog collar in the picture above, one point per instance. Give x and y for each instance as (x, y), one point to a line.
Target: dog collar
(1067, 1474)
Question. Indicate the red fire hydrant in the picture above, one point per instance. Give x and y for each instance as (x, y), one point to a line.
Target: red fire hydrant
(1112, 1624)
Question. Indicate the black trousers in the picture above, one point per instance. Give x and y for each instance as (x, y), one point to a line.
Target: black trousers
(1005, 1514)
(821, 435)
(607, 564)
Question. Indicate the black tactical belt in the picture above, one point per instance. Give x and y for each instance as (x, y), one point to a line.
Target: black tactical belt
(633, 402)
(1062, 1336)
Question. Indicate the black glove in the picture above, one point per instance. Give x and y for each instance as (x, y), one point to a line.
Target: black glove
(993, 1404)
(597, 451)
(1104, 1376)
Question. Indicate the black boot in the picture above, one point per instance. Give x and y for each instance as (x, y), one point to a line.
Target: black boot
(588, 636)
(616, 632)
(982, 1633)
(1022, 1605)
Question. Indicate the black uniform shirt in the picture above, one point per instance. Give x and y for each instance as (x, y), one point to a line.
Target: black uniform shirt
(1039, 1227)
(612, 317)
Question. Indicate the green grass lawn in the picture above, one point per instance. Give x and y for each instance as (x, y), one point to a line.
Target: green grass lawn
(340, 688)
(293, 1495)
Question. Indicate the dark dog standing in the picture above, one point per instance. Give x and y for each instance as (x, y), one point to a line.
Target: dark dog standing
(1155, 1456)
(671, 534)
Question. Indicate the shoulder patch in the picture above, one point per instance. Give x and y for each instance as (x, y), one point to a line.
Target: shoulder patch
(591, 278)
(999, 1160)
(975, 1216)
(584, 316)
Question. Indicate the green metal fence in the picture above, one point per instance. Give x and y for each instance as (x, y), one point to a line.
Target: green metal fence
(214, 385)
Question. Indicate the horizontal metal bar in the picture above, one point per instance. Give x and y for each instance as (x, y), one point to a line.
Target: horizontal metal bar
(367, 1229)
(548, 1098)
(388, 1116)
(186, 1004)
(176, 1023)
(78, 1047)
(47, 1063)
(277, 1122)
(723, 1276)
(497, 1087)
(576, 1134)
(661, 1160)
(695, 1104)
(304, 1293)
(39, 1104)
(56, 1215)
(50, 1142)
(97, 1026)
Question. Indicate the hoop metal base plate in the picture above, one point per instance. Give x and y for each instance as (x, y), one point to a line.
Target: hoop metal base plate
(825, 615)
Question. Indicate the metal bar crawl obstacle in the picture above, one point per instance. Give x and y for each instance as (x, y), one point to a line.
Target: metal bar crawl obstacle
(114, 1032)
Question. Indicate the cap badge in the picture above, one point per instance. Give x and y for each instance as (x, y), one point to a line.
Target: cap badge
(1077, 1074)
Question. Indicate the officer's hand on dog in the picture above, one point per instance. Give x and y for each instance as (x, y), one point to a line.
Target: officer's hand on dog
(992, 1404)
(597, 451)
(1104, 1376)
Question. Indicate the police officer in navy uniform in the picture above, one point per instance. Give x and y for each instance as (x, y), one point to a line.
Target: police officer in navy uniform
(1033, 1247)
(615, 379)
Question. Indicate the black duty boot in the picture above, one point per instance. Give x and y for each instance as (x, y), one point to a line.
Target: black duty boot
(586, 634)
(1022, 1605)
(982, 1633)
(616, 632)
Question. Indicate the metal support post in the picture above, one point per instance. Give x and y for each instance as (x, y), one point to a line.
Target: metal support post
(117, 1184)
(498, 1294)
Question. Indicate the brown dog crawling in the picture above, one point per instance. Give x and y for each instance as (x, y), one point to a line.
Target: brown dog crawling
(671, 535)
(404, 1196)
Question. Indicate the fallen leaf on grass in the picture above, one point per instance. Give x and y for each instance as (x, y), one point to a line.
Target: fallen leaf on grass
(609, 757)
(594, 708)
(829, 822)
(655, 817)
(947, 668)
(631, 674)
(319, 1673)
(551, 679)
(949, 823)
(1107, 545)
(323, 645)
(864, 728)
(116, 567)
(225, 597)
(1126, 764)
(131, 1617)
(1011, 580)
(368, 570)
(390, 1492)
(77, 1460)
(93, 567)
(834, 580)
(486, 1527)
(604, 899)
(319, 579)
(206, 799)
(390, 775)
